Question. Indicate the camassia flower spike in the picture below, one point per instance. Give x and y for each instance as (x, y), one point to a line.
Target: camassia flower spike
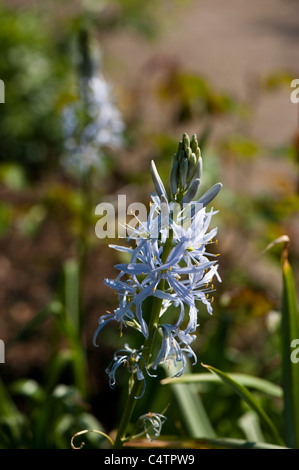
(171, 262)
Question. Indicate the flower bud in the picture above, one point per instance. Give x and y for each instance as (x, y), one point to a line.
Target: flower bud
(173, 179)
(183, 173)
(210, 195)
(191, 166)
(192, 191)
(157, 181)
(186, 141)
(194, 143)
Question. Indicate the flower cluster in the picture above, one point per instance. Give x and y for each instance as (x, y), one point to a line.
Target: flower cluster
(90, 124)
(170, 261)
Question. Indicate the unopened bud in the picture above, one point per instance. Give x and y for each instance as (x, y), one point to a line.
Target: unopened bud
(194, 143)
(173, 179)
(191, 166)
(192, 191)
(186, 141)
(183, 173)
(210, 195)
(157, 181)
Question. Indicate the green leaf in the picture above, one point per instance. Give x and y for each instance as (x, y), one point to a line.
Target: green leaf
(247, 396)
(192, 409)
(11, 420)
(290, 369)
(72, 291)
(244, 379)
(289, 333)
(28, 388)
(250, 425)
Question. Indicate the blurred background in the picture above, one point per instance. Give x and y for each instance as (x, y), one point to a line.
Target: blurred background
(93, 91)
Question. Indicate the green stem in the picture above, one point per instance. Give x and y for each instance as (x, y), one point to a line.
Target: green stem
(156, 304)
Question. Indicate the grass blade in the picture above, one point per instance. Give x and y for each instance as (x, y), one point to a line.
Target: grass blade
(192, 409)
(290, 370)
(247, 396)
(244, 379)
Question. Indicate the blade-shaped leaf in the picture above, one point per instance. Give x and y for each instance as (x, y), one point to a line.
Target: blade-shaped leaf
(192, 409)
(289, 333)
(247, 396)
(244, 379)
(290, 369)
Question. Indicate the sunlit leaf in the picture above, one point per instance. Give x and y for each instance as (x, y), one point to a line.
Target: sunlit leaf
(249, 398)
(290, 369)
(192, 410)
(244, 379)
(289, 333)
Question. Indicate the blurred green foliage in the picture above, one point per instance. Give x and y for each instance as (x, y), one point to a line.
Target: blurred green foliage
(37, 75)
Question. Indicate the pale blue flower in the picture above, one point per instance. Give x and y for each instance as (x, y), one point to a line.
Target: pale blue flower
(152, 424)
(175, 347)
(91, 124)
(130, 359)
(187, 269)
